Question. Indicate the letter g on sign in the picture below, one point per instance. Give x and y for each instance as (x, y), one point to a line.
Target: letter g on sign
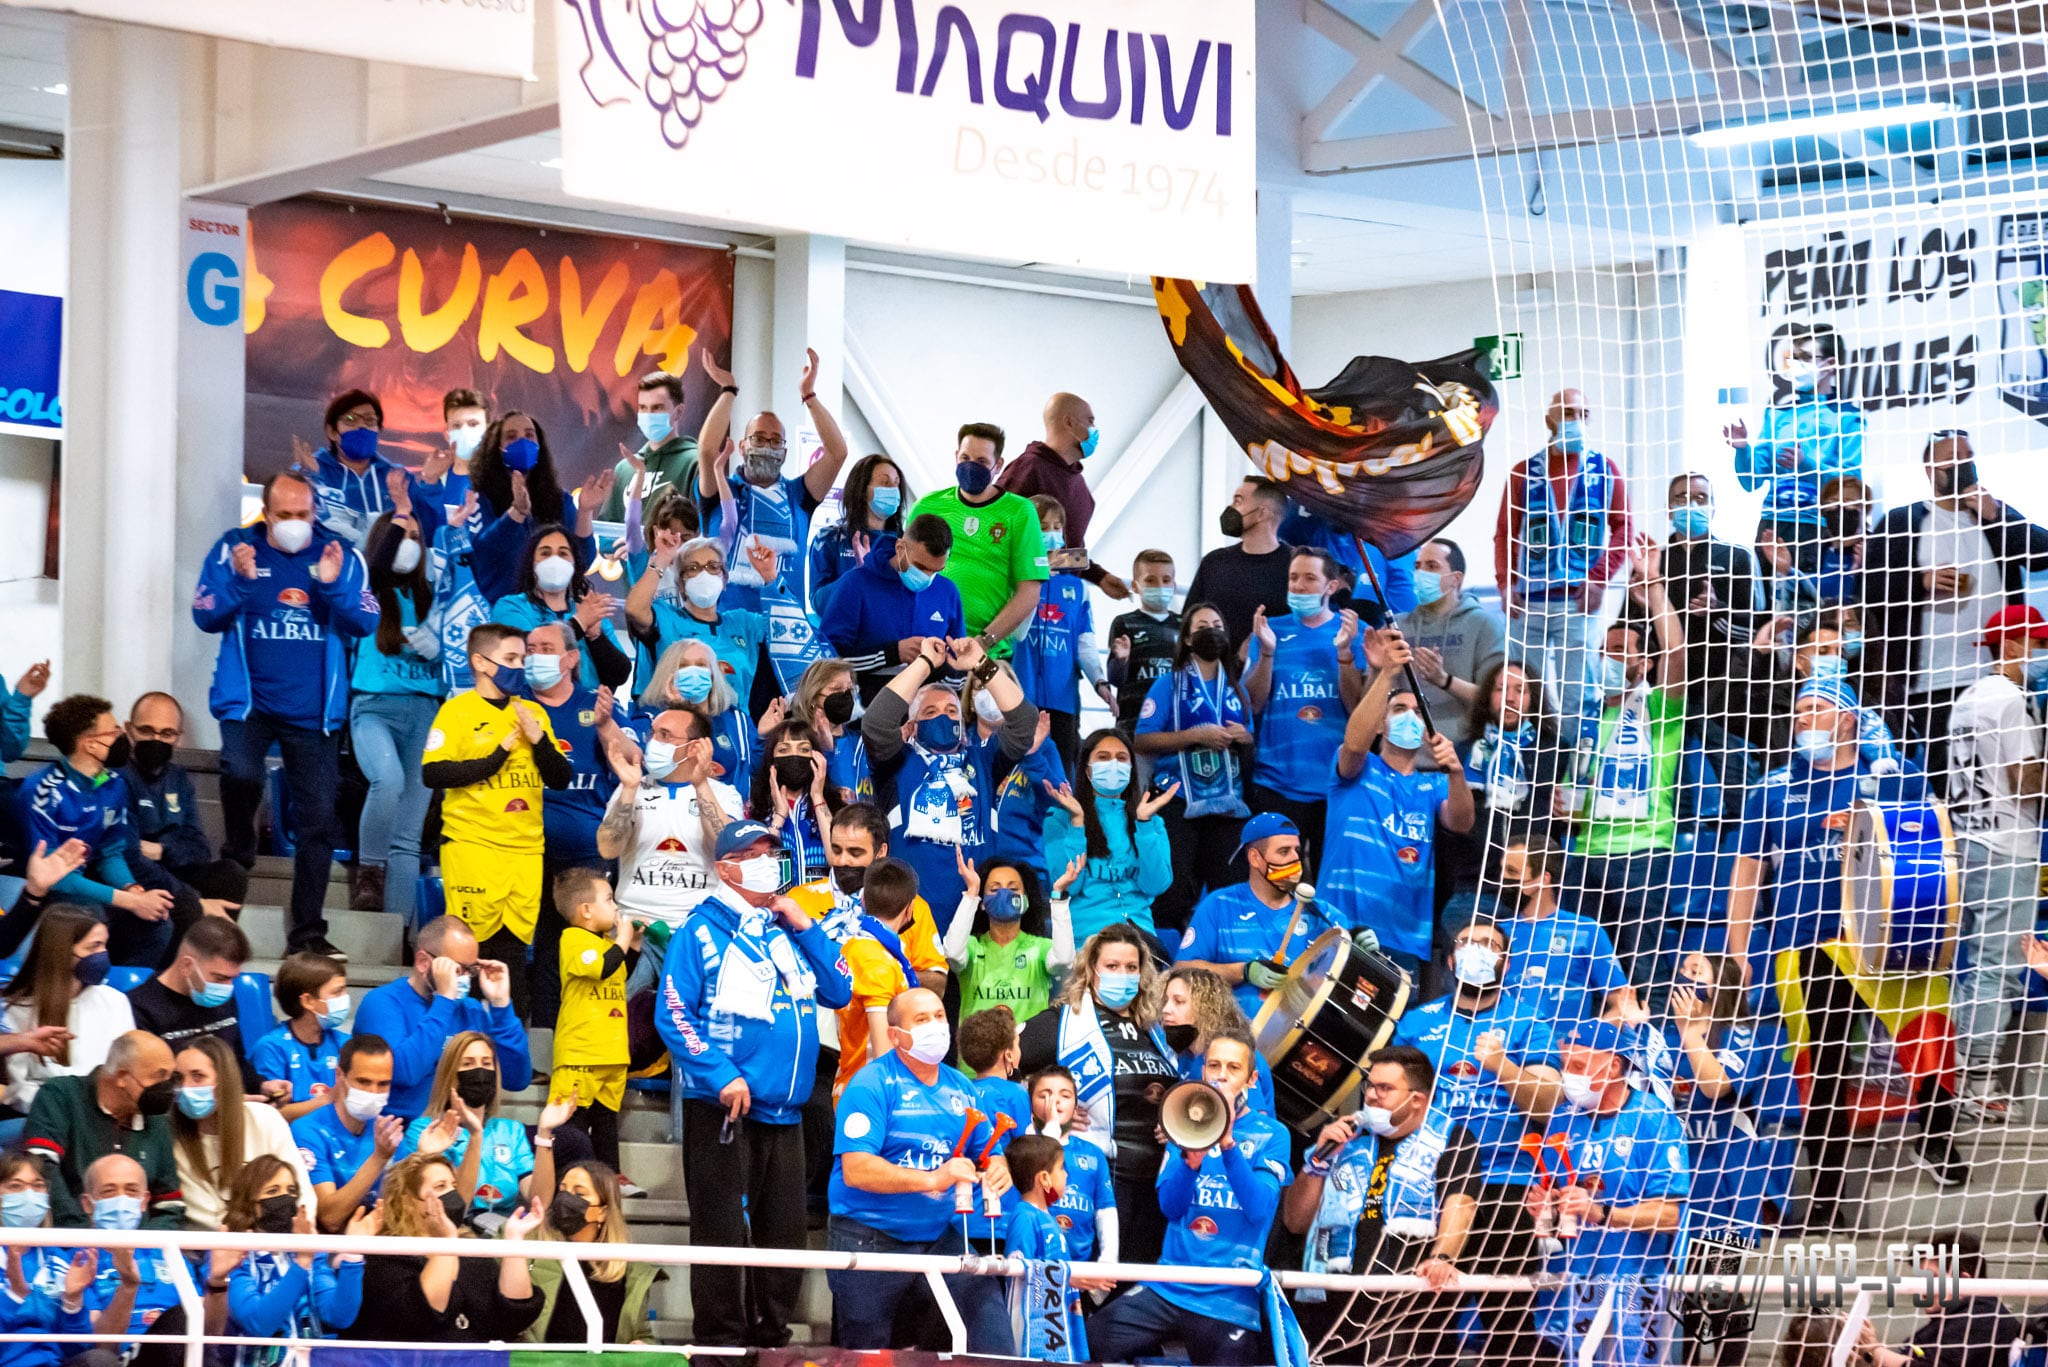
(212, 291)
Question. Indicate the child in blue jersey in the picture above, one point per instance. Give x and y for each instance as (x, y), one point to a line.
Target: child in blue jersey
(1302, 672)
(283, 1295)
(1565, 964)
(1219, 1205)
(1060, 647)
(1086, 1207)
(1038, 1167)
(989, 1054)
(312, 992)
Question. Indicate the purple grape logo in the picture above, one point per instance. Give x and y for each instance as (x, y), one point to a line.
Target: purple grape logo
(685, 56)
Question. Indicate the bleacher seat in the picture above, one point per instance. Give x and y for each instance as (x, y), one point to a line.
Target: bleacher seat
(253, 1007)
(429, 901)
(280, 838)
(128, 977)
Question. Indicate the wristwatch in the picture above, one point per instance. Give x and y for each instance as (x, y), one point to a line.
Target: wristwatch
(988, 640)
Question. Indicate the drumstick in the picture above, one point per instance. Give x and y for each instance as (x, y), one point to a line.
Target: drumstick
(963, 1192)
(1301, 896)
(992, 1206)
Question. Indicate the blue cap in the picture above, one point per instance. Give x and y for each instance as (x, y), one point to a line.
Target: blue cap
(1264, 826)
(1833, 692)
(1599, 1036)
(737, 835)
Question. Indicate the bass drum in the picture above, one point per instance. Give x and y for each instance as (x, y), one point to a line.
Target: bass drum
(1901, 891)
(1336, 1005)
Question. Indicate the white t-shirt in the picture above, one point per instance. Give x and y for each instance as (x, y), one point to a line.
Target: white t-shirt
(99, 1016)
(263, 1131)
(666, 867)
(1990, 729)
(1949, 654)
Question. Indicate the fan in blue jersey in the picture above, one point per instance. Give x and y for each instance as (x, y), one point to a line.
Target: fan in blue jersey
(1219, 1204)
(1496, 1074)
(1086, 1208)
(1380, 869)
(1564, 962)
(1624, 1192)
(1302, 673)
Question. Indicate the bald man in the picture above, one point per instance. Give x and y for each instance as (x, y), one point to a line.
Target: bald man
(121, 1107)
(1562, 533)
(130, 1292)
(1053, 466)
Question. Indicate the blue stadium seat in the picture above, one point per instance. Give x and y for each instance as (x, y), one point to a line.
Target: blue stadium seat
(253, 1007)
(429, 901)
(127, 977)
(9, 967)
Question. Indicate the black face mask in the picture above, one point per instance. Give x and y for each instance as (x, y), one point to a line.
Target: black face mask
(157, 1097)
(1180, 1038)
(1232, 522)
(838, 707)
(794, 772)
(276, 1214)
(1846, 521)
(119, 753)
(850, 880)
(1209, 643)
(567, 1213)
(476, 1086)
(454, 1207)
(152, 757)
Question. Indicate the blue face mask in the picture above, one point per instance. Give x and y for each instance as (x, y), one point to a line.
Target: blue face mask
(1157, 597)
(543, 671)
(522, 455)
(2037, 674)
(1852, 644)
(196, 1102)
(915, 579)
(656, 427)
(884, 501)
(509, 679)
(24, 1209)
(1571, 436)
(1814, 746)
(1691, 523)
(972, 478)
(1405, 730)
(1429, 586)
(359, 443)
(940, 734)
(1110, 776)
(213, 994)
(1116, 990)
(1055, 538)
(1803, 375)
(1304, 604)
(1003, 904)
(693, 683)
(117, 1212)
(1829, 667)
(1090, 442)
(1613, 675)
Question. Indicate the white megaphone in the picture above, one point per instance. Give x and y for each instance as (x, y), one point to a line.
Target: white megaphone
(1195, 1115)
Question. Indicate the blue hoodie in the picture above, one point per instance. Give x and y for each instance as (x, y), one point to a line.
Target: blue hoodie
(872, 610)
(285, 624)
(1121, 887)
(347, 503)
(778, 1057)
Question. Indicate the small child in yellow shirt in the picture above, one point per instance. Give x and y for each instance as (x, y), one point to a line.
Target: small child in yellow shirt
(591, 1051)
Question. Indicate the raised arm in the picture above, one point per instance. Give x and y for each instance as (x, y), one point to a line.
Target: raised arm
(711, 436)
(820, 478)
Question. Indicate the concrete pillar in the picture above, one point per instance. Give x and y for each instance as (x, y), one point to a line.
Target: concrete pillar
(810, 311)
(1275, 283)
(120, 602)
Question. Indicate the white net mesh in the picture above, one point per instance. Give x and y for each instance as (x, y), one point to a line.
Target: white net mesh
(1787, 267)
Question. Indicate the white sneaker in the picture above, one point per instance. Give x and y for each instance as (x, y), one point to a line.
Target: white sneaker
(1984, 1100)
(629, 1189)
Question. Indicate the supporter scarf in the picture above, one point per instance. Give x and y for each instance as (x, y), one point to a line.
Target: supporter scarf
(944, 807)
(754, 958)
(1053, 1330)
(848, 920)
(1084, 1052)
(1290, 1349)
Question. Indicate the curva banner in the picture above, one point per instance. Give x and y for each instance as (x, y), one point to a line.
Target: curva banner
(1113, 137)
(558, 325)
(488, 37)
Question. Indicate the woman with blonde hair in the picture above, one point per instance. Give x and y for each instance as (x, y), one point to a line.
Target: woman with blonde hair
(442, 1298)
(585, 1209)
(1195, 1006)
(1104, 1029)
(491, 1153)
(215, 1131)
(688, 677)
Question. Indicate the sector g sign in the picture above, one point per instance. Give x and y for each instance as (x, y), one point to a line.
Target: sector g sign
(1117, 136)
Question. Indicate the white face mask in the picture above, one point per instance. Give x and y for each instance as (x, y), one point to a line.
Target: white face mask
(929, 1042)
(291, 537)
(1580, 1091)
(703, 590)
(1476, 966)
(406, 558)
(762, 873)
(1379, 1120)
(464, 440)
(554, 573)
(364, 1106)
(658, 758)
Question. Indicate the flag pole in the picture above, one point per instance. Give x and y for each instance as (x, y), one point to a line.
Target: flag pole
(1408, 669)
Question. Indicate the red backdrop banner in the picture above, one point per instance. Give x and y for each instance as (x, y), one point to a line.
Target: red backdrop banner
(408, 306)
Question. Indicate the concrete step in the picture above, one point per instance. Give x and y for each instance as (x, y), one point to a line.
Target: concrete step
(369, 938)
(279, 867)
(279, 890)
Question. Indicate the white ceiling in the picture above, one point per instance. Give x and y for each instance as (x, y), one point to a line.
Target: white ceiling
(31, 69)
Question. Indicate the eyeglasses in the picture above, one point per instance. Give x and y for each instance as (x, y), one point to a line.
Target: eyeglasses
(348, 422)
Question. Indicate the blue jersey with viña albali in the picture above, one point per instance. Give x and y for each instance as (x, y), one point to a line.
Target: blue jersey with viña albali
(1232, 926)
(1798, 819)
(1743, 1146)
(1089, 1189)
(1564, 963)
(1302, 723)
(1637, 1154)
(1470, 1095)
(1379, 856)
(570, 818)
(890, 1112)
(1214, 1228)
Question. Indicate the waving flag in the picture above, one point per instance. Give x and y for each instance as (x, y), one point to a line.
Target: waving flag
(1389, 450)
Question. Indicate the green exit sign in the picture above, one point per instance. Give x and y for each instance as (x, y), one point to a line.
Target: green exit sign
(1500, 358)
